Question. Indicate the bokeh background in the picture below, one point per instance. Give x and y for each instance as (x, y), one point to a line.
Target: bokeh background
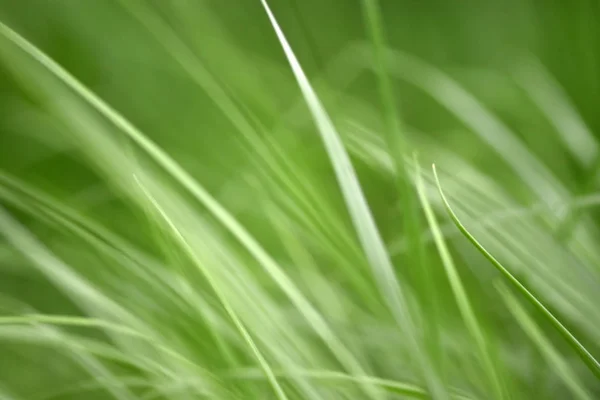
(121, 279)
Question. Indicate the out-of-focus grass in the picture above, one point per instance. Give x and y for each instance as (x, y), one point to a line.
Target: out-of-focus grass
(202, 199)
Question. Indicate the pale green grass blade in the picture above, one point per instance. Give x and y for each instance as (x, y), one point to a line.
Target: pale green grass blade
(212, 282)
(356, 202)
(460, 294)
(358, 208)
(583, 353)
(544, 345)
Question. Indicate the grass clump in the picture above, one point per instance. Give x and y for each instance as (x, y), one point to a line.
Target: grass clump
(190, 210)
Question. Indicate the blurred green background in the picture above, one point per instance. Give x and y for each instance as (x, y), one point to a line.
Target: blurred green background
(502, 96)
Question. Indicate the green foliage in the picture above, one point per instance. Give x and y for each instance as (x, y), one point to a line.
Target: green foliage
(201, 200)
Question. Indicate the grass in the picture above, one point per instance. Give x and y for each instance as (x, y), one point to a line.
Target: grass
(214, 202)
(583, 352)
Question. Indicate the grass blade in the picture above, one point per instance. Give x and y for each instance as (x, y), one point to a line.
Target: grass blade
(185, 245)
(543, 344)
(459, 291)
(360, 213)
(583, 353)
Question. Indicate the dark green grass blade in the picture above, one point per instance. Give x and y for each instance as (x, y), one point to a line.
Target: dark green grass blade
(583, 353)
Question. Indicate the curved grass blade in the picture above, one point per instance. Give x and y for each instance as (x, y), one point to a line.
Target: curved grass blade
(583, 353)
(459, 292)
(185, 245)
(362, 219)
(553, 357)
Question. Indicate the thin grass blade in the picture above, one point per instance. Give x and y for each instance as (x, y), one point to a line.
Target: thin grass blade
(360, 213)
(581, 350)
(460, 293)
(544, 345)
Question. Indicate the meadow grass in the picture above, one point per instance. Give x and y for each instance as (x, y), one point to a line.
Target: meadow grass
(200, 201)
